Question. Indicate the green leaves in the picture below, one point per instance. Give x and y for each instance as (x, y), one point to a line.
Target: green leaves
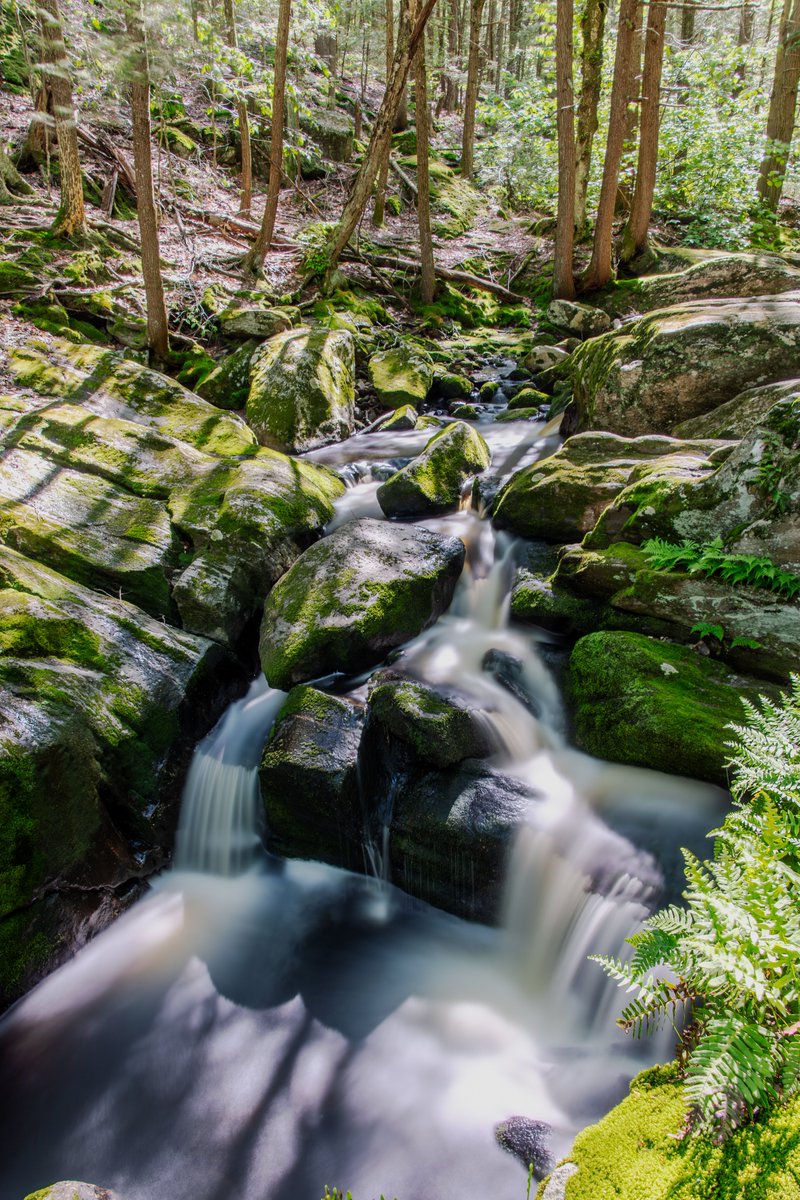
(737, 570)
(733, 952)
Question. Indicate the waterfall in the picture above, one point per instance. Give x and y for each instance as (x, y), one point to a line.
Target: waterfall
(220, 829)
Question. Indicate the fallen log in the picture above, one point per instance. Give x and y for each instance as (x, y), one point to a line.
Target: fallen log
(447, 273)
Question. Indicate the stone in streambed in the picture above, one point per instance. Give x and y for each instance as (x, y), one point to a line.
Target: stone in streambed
(432, 482)
(400, 376)
(572, 317)
(302, 389)
(353, 597)
(403, 418)
(439, 731)
(529, 1141)
(654, 704)
(309, 779)
(452, 386)
(528, 397)
(73, 1190)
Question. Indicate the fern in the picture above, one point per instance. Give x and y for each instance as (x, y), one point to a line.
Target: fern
(733, 952)
(737, 570)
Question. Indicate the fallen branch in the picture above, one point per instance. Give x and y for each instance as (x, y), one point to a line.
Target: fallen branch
(446, 273)
(103, 144)
(404, 179)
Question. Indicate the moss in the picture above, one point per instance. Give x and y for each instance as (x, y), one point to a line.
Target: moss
(228, 383)
(528, 397)
(519, 414)
(452, 386)
(179, 142)
(32, 628)
(439, 732)
(400, 376)
(432, 482)
(633, 1153)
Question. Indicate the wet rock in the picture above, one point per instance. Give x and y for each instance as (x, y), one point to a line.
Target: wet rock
(302, 389)
(432, 482)
(488, 391)
(582, 320)
(562, 497)
(73, 1190)
(519, 414)
(452, 386)
(309, 779)
(354, 596)
(252, 322)
(228, 384)
(508, 671)
(440, 730)
(655, 704)
(542, 357)
(405, 417)
(528, 397)
(400, 376)
(529, 1141)
(678, 363)
(466, 412)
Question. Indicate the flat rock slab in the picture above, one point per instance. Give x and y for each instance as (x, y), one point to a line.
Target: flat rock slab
(354, 596)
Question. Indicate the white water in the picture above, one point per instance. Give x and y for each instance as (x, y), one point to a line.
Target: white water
(257, 1029)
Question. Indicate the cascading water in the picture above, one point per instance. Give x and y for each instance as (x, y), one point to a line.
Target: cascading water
(262, 1033)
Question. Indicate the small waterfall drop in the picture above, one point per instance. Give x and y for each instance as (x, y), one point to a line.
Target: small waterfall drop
(219, 830)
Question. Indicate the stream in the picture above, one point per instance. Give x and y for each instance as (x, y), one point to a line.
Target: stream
(259, 1029)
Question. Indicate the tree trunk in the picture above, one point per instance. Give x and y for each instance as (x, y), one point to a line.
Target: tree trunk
(599, 271)
(254, 261)
(782, 106)
(379, 210)
(71, 217)
(157, 329)
(563, 278)
(408, 38)
(593, 21)
(687, 22)
(11, 181)
(428, 282)
(451, 83)
(473, 80)
(246, 199)
(635, 237)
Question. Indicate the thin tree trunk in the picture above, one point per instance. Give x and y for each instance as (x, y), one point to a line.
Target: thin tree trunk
(157, 329)
(254, 261)
(246, 198)
(563, 278)
(593, 21)
(500, 37)
(687, 22)
(473, 80)
(379, 210)
(408, 38)
(782, 107)
(71, 217)
(599, 271)
(634, 239)
(428, 281)
(451, 84)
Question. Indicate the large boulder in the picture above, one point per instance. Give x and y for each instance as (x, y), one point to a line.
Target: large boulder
(579, 320)
(71, 1189)
(561, 497)
(438, 730)
(227, 386)
(302, 389)
(309, 779)
(432, 482)
(649, 703)
(100, 705)
(737, 417)
(716, 277)
(400, 376)
(678, 363)
(352, 597)
(250, 321)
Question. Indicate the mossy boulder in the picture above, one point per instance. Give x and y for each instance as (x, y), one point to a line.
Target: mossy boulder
(452, 386)
(400, 376)
(678, 363)
(636, 1152)
(228, 384)
(253, 322)
(528, 397)
(333, 132)
(439, 730)
(718, 277)
(579, 320)
(466, 412)
(542, 358)
(655, 704)
(737, 417)
(353, 597)
(401, 419)
(309, 779)
(73, 1190)
(302, 389)
(432, 482)
(562, 497)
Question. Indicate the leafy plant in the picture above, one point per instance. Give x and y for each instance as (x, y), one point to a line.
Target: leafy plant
(731, 958)
(703, 630)
(750, 570)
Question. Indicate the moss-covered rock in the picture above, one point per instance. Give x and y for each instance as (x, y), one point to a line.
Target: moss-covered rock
(354, 596)
(562, 497)
(252, 322)
(655, 704)
(528, 397)
(71, 1189)
(439, 730)
(452, 386)
(635, 1152)
(432, 482)
(400, 376)
(678, 363)
(302, 389)
(737, 417)
(228, 384)
(466, 412)
(333, 132)
(309, 779)
(580, 320)
(717, 277)
(403, 418)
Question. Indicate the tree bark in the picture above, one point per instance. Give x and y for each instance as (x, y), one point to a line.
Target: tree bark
(563, 278)
(599, 271)
(593, 21)
(782, 107)
(11, 182)
(687, 22)
(450, 100)
(379, 209)
(428, 282)
(634, 238)
(157, 328)
(71, 217)
(408, 38)
(471, 97)
(254, 261)
(246, 198)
